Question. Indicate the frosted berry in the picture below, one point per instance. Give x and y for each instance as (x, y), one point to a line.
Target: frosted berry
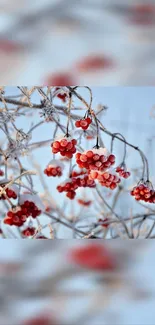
(84, 123)
(30, 231)
(95, 159)
(71, 185)
(55, 168)
(66, 147)
(18, 215)
(108, 178)
(9, 192)
(143, 192)
(122, 171)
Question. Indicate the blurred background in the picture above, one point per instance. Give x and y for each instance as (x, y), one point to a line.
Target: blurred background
(77, 282)
(97, 42)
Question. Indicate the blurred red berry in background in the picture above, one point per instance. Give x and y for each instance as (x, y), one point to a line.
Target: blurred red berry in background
(9, 46)
(96, 62)
(40, 320)
(93, 256)
(60, 79)
(143, 14)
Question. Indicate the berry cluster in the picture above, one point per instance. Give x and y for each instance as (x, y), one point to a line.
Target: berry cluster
(144, 192)
(30, 231)
(10, 193)
(18, 215)
(65, 146)
(122, 172)
(84, 123)
(107, 179)
(71, 185)
(96, 159)
(54, 169)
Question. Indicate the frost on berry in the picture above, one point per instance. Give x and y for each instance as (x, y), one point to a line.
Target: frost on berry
(72, 184)
(76, 173)
(54, 168)
(107, 178)
(29, 231)
(66, 146)
(95, 159)
(84, 123)
(144, 192)
(32, 198)
(10, 192)
(122, 171)
(29, 206)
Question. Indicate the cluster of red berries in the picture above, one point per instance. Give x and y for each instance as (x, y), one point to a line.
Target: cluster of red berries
(122, 172)
(83, 123)
(71, 185)
(1, 173)
(30, 231)
(18, 215)
(62, 95)
(53, 171)
(144, 192)
(107, 179)
(10, 193)
(84, 203)
(66, 147)
(96, 159)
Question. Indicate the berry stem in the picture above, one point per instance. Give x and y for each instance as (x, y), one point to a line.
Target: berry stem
(124, 140)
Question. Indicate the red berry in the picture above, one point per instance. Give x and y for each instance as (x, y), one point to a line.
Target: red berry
(93, 256)
(65, 147)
